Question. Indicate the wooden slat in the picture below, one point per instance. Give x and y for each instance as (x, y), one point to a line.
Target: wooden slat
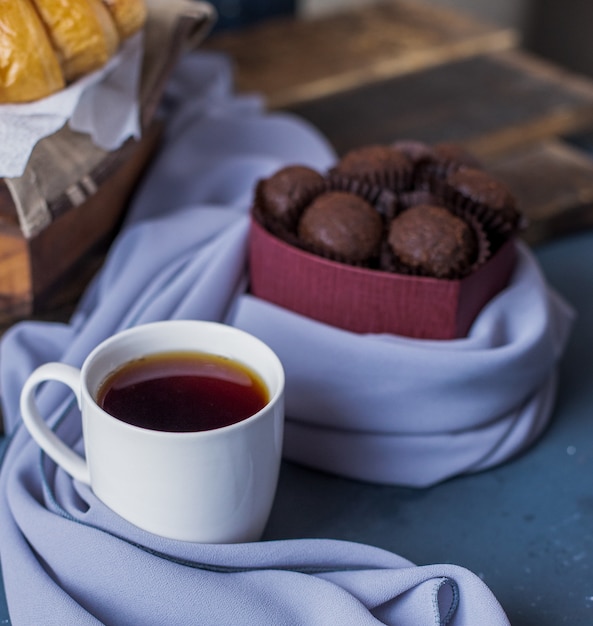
(544, 100)
(16, 288)
(8, 216)
(490, 103)
(290, 61)
(40, 273)
(88, 228)
(553, 183)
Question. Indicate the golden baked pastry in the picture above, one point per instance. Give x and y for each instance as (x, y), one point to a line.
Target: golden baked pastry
(129, 15)
(29, 68)
(45, 44)
(82, 32)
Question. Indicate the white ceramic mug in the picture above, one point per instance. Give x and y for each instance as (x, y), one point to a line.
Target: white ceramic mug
(211, 486)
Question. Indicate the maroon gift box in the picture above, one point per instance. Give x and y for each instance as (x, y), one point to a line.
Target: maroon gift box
(370, 301)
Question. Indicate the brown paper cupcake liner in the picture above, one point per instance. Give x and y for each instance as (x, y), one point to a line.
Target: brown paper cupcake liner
(365, 189)
(433, 167)
(409, 199)
(385, 201)
(429, 173)
(274, 227)
(391, 204)
(494, 221)
(387, 204)
(484, 248)
(394, 181)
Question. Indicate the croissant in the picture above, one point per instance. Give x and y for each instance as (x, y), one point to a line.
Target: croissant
(29, 69)
(82, 32)
(129, 15)
(45, 44)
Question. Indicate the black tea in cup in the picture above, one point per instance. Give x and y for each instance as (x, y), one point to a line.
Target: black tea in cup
(182, 392)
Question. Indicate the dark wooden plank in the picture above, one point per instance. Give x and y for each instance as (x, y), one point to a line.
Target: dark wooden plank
(88, 228)
(16, 285)
(553, 183)
(52, 268)
(8, 216)
(490, 103)
(291, 60)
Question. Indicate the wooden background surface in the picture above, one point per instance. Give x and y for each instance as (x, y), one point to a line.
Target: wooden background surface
(404, 70)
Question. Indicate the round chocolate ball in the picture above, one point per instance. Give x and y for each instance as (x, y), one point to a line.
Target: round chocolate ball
(480, 187)
(341, 225)
(375, 163)
(281, 195)
(432, 241)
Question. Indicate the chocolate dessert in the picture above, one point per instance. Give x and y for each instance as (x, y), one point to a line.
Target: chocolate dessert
(342, 226)
(439, 161)
(377, 165)
(431, 241)
(280, 196)
(410, 239)
(496, 203)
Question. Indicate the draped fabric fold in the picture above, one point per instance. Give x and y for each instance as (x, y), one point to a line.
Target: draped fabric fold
(377, 407)
(414, 412)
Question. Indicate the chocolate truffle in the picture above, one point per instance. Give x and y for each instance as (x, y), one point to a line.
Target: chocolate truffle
(280, 196)
(432, 241)
(479, 187)
(342, 226)
(375, 164)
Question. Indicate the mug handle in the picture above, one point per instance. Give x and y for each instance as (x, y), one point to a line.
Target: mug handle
(47, 440)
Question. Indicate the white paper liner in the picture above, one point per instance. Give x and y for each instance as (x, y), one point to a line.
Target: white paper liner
(103, 104)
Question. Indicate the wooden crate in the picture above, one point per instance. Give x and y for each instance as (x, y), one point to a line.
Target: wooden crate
(45, 267)
(48, 270)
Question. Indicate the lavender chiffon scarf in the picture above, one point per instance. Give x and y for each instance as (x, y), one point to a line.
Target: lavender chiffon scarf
(420, 411)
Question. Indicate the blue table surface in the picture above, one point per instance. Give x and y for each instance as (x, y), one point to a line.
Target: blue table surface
(525, 527)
